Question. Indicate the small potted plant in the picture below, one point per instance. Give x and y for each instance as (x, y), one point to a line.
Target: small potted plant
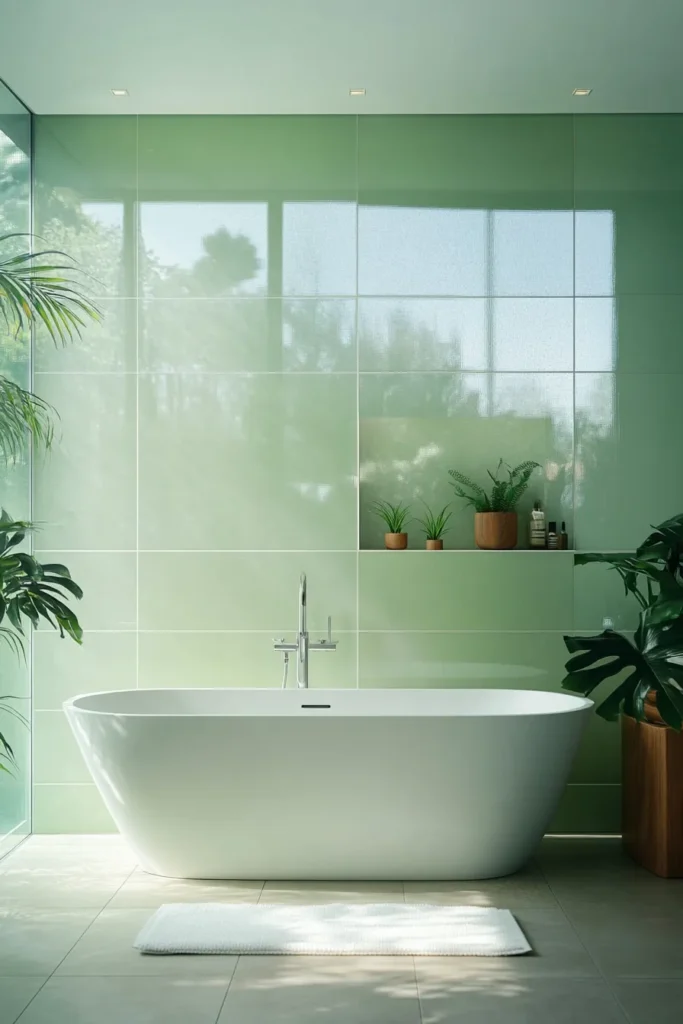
(434, 525)
(395, 518)
(495, 520)
(647, 694)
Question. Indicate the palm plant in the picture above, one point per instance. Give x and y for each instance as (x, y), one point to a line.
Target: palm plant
(505, 493)
(653, 575)
(395, 516)
(435, 524)
(36, 288)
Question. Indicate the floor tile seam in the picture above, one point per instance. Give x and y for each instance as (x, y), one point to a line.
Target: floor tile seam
(588, 953)
(21, 1014)
(70, 950)
(417, 991)
(223, 1001)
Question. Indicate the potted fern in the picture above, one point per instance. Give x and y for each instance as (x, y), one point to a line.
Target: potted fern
(647, 694)
(495, 519)
(434, 525)
(395, 518)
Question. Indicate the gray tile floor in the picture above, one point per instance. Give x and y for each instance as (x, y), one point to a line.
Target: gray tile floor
(607, 938)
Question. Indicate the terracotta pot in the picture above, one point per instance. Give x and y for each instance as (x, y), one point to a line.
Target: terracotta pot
(495, 531)
(395, 541)
(434, 545)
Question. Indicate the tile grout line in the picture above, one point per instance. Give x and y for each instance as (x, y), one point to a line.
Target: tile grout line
(584, 946)
(71, 949)
(234, 971)
(358, 491)
(136, 261)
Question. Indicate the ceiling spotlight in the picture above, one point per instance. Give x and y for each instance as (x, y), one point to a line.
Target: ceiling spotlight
(581, 92)
(356, 92)
(119, 92)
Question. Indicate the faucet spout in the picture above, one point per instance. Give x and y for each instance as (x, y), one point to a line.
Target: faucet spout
(302, 603)
(302, 645)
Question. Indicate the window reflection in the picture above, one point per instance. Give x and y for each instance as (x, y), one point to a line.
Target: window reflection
(211, 249)
(421, 251)
(319, 248)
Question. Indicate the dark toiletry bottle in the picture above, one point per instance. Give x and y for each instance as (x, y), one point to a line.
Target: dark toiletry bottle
(553, 539)
(564, 537)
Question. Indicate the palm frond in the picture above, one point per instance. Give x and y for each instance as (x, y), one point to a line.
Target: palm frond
(23, 415)
(36, 289)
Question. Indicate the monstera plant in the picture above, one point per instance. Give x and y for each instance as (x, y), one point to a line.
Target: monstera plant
(36, 288)
(653, 659)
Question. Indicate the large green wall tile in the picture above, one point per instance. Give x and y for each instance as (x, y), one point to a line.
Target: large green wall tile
(68, 808)
(108, 580)
(239, 660)
(415, 427)
(109, 345)
(588, 809)
(630, 333)
(630, 168)
(85, 491)
(509, 334)
(246, 591)
(63, 669)
(85, 194)
(475, 161)
(56, 755)
(272, 459)
(511, 660)
(465, 206)
(469, 590)
(628, 430)
(277, 195)
(254, 334)
(243, 156)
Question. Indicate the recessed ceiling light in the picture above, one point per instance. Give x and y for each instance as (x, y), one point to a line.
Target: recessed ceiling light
(356, 92)
(119, 92)
(581, 92)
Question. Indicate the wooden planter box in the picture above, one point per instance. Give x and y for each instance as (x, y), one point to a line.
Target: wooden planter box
(652, 796)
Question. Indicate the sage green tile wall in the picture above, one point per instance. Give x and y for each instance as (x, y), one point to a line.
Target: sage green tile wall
(15, 213)
(296, 304)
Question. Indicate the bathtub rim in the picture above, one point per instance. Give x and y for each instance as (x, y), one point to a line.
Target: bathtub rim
(574, 703)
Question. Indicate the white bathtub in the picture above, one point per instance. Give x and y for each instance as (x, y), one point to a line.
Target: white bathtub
(330, 784)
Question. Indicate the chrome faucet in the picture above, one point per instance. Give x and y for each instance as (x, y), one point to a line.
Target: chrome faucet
(302, 644)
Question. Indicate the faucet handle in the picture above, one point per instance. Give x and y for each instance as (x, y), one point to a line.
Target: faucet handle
(327, 641)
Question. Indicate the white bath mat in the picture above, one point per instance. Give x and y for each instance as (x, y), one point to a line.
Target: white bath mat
(381, 929)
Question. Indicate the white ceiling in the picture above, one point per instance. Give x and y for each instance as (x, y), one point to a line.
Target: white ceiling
(302, 56)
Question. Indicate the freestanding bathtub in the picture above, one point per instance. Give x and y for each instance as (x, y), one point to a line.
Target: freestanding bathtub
(330, 784)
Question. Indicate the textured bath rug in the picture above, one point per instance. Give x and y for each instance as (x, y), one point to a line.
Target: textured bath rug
(381, 929)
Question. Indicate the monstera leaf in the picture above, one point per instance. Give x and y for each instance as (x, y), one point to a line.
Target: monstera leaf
(654, 661)
(29, 591)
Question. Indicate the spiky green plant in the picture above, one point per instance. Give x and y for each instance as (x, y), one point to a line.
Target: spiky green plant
(395, 517)
(435, 524)
(503, 496)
